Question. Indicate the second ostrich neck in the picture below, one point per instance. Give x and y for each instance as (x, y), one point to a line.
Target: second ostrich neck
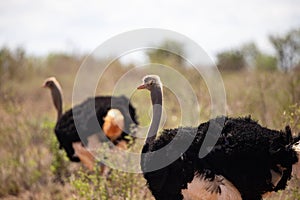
(57, 100)
(156, 98)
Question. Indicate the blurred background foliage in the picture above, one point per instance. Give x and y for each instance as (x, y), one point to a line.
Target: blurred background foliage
(263, 85)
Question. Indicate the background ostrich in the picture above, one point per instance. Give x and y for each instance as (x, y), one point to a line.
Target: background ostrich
(247, 161)
(117, 119)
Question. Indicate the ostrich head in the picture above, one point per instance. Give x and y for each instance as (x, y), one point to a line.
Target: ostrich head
(56, 94)
(151, 82)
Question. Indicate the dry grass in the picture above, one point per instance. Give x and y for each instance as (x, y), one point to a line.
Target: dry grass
(30, 161)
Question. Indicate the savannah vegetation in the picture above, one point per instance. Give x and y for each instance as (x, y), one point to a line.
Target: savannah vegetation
(267, 87)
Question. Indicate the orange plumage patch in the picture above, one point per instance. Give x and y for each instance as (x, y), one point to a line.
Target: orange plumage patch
(113, 124)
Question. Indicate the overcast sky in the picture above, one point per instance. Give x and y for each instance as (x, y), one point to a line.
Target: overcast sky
(43, 26)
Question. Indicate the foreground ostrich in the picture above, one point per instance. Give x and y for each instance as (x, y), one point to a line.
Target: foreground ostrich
(117, 119)
(247, 161)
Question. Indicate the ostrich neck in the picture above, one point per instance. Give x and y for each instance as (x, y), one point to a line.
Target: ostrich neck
(57, 100)
(156, 98)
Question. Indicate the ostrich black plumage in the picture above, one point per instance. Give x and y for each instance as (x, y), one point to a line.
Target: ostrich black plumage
(87, 124)
(246, 162)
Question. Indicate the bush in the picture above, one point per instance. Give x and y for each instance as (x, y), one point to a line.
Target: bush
(117, 185)
(112, 184)
(23, 165)
(231, 61)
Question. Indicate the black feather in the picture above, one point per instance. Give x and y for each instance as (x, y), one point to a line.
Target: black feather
(244, 154)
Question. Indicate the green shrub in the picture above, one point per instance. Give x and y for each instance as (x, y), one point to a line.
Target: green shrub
(116, 185)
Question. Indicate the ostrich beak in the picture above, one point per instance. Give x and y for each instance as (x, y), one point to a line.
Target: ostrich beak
(43, 86)
(141, 87)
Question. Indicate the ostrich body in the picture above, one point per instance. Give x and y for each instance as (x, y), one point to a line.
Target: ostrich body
(247, 161)
(120, 113)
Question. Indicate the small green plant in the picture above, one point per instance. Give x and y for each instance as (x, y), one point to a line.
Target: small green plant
(110, 183)
(115, 185)
(296, 193)
(60, 164)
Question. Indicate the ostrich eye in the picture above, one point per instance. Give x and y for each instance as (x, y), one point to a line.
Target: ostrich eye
(151, 83)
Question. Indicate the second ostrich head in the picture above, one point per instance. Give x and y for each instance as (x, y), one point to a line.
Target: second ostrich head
(56, 94)
(154, 85)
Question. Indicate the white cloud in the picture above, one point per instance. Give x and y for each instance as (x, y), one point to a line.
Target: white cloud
(43, 26)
